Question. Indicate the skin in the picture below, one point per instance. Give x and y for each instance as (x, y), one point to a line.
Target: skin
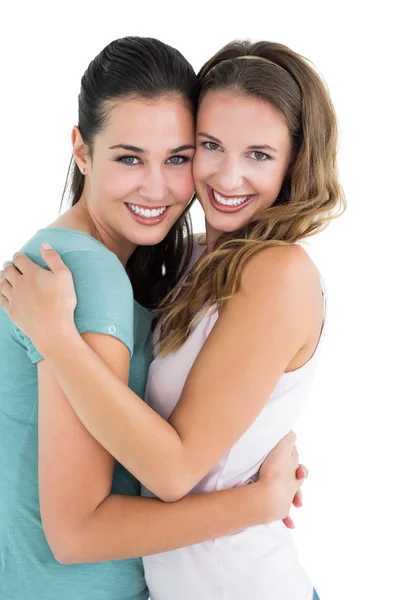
(81, 528)
(158, 175)
(250, 160)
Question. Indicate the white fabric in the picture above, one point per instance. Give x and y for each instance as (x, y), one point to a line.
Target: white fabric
(259, 563)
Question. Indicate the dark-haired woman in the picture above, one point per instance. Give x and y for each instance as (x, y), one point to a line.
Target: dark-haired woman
(64, 500)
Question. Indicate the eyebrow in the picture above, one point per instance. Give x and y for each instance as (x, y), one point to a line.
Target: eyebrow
(254, 147)
(142, 151)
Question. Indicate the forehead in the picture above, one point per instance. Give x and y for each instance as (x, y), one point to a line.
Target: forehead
(139, 121)
(240, 119)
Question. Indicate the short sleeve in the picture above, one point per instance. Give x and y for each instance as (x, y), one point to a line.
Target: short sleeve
(104, 294)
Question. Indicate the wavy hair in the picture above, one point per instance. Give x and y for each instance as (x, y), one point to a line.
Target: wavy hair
(310, 195)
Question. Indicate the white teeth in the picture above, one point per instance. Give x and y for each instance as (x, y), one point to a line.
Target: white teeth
(146, 212)
(229, 201)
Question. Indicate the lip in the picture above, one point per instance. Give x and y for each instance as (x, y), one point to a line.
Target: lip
(222, 207)
(150, 221)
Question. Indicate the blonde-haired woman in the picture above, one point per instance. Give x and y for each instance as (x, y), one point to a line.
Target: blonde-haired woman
(238, 339)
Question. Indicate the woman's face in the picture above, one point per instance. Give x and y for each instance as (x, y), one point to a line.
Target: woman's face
(243, 152)
(139, 176)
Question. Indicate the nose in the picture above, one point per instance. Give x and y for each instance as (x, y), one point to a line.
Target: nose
(153, 186)
(229, 176)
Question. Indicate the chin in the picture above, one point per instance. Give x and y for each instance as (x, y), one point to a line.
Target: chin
(226, 224)
(150, 238)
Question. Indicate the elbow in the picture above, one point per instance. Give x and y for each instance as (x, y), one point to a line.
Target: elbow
(65, 559)
(172, 496)
(64, 554)
(174, 489)
(65, 547)
(173, 481)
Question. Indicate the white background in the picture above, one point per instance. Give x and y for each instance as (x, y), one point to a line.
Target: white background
(348, 531)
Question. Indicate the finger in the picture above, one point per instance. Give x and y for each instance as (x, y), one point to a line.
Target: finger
(11, 273)
(6, 289)
(298, 499)
(288, 521)
(302, 472)
(23, 263)
(4, 303)
(52, 259)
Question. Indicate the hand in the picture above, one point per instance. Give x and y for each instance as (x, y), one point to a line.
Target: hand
(281, 477)
(301, 475)
(41, 302)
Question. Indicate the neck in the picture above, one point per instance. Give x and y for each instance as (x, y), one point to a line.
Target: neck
(81, 218)
(212, 236)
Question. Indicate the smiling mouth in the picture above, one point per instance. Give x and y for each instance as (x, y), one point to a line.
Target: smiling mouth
(145, 215)
(228, 203)
(148, 213)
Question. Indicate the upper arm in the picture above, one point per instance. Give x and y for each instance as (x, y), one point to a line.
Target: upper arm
(75, 471)
(258, 333)
(104, 294)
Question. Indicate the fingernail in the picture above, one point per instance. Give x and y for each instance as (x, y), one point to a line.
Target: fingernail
(46, 246)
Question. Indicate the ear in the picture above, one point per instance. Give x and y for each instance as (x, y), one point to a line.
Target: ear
(80, 150)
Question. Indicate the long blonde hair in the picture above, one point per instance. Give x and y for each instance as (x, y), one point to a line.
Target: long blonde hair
(310, 196)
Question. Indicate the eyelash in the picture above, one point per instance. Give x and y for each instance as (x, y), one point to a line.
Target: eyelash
(266, 156)
(127, 160)
(184, 159)
(206, 145)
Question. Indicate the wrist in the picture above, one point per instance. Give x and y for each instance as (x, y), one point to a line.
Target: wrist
(60, 341)
(272, 499)
(264, 511)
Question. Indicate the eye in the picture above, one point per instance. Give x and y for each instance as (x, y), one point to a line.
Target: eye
(128, 160)
(211, 146)
(257, 155)
(178, 160)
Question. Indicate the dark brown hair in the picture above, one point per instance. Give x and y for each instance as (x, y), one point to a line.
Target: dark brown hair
(145, 68)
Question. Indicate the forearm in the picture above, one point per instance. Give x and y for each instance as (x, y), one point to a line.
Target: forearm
(127, 527)
(141, 440)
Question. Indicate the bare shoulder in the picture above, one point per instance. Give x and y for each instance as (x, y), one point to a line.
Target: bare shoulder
(288, 268)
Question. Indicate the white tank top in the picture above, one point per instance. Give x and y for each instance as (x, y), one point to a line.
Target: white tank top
(259, 563)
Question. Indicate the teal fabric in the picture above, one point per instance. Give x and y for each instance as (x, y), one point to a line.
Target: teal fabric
(105, 304)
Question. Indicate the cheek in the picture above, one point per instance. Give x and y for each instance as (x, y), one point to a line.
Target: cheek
(115, 182)
(204, 165)
(269, 183)
(181, 184)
